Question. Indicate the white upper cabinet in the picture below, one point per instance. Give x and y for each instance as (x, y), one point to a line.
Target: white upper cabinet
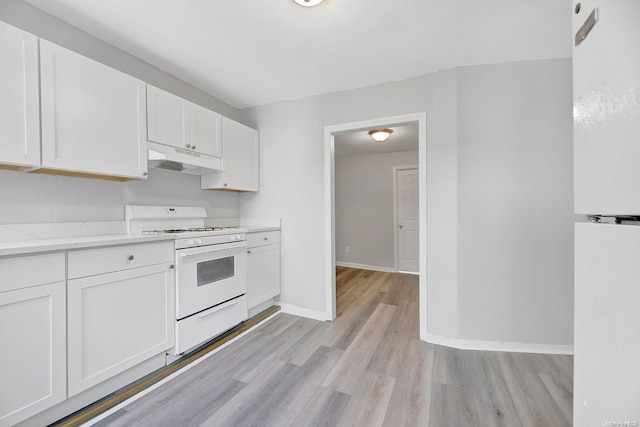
(241, 155)
(190, 128)
(606, 87)
(205, 130)
(93, 116)
(167, 118)
(19, 104)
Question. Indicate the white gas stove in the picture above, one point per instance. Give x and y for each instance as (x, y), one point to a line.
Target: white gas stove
(211, 270)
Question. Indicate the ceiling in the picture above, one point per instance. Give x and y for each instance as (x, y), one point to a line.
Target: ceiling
(255, 52)
(403, 138)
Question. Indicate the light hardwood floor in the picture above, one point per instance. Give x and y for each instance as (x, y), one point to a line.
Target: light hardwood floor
(367, 368)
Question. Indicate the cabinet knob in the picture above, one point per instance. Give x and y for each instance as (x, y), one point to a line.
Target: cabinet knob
(266, 238)
(193, 147)
(248, 251)
(172, 266)
(188, 145)
(225, 184)
(145, 173)
(130, 257)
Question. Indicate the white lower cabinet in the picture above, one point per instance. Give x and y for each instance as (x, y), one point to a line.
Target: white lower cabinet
(33, 336)
(263, 267)
(118, 319)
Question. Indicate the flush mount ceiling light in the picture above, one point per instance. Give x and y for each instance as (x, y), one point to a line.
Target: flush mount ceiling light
(308, 3)
(380, 135)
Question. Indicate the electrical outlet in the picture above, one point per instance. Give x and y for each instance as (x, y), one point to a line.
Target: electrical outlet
(346, 249)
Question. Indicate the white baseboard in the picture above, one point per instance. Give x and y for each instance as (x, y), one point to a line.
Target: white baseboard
(366, 267)
(515, 347)
(303, 312)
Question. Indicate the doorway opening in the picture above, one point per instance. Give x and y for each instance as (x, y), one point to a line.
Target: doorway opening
(333, 133)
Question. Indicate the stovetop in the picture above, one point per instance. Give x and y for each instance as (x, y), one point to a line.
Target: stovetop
(192, 230)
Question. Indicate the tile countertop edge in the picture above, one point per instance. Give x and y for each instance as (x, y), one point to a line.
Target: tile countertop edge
(26, 247)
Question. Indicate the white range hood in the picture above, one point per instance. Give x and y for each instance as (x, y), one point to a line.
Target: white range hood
(180, 160)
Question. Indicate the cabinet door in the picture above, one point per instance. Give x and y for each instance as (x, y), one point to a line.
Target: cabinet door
(241, 159)
(19, 104)
(263, 274)
(204, 132)
(606, 87)
(33, 359)
(93, 117)
(167, 118)
(116, 321)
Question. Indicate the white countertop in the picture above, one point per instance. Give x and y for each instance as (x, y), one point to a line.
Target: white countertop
(259, 228)
(23, 247)
(22, 239)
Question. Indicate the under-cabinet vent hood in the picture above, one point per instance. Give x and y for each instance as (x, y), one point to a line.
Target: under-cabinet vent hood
(180, 160)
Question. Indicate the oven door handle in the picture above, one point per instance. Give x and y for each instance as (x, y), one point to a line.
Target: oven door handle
(228, 248)
(217, 309)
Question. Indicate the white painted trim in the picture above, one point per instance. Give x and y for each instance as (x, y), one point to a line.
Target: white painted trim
(303, 312)
(409, 272)
(329, 193)
(396, 251)
(514, 347)
(366, 267)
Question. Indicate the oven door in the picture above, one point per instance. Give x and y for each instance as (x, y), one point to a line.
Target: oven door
(209, 275)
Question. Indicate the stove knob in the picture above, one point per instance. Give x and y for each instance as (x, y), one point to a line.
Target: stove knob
(190, 243)
(199, 241)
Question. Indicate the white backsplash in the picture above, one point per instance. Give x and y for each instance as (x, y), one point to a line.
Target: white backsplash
(17, 232)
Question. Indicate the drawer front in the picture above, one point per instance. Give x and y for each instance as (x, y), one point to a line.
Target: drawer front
(204, 326)
(24, 271)
(263, 238)
(115, 258)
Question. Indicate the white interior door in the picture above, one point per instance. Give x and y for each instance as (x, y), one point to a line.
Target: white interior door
(407, 208)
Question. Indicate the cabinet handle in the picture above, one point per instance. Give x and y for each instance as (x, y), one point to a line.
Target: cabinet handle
(130, 257)
(248, 251)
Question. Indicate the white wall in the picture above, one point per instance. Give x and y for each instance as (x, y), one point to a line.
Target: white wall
(515, 209)
(292, 181)
(39, 198)
(32, 198)
(530, 109)
(364, 207)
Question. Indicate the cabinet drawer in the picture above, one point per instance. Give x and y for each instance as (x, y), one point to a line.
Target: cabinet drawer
(114, 258)
(204, 326)
(263, 238)
(32, 270)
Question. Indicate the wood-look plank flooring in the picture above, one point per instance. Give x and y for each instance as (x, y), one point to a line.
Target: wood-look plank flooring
(366, 368)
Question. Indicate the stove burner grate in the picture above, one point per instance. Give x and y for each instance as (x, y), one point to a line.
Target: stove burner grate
(182, 230)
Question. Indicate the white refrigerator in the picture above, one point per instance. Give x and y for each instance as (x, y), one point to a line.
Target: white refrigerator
(606, 72)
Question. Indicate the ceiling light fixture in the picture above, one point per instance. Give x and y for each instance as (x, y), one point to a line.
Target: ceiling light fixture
(380, 135)
(308, 3)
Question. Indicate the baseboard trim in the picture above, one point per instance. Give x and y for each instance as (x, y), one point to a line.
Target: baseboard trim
(366, 267)
(303, 312)
(515, 347)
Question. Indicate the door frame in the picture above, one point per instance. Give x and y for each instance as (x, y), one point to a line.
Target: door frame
(396, 238)
(329, 209)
